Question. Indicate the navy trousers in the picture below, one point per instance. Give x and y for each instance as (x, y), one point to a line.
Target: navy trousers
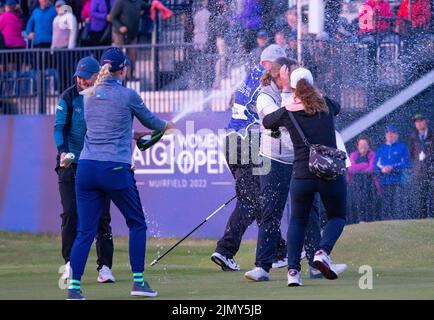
(334, 196)
(274, 193)
(94, 181)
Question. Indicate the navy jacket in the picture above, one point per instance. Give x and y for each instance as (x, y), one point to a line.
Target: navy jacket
(70, 127)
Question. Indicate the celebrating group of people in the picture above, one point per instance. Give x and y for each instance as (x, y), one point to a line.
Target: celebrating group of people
(277, 102)
(279, 99)
(100, 172)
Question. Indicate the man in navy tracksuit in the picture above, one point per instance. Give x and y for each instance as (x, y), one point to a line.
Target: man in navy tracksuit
(69, 132)
(244, 121)
(391, 159)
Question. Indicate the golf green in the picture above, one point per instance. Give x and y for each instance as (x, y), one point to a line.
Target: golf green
(399, 253)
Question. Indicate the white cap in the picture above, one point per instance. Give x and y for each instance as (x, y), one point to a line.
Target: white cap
(272, 53)
(301, 73)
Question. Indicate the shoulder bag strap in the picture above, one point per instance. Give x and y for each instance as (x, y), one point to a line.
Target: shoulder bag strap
(300, 132)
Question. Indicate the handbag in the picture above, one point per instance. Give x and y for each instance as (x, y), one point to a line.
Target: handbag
(326, 163)
(106, 37)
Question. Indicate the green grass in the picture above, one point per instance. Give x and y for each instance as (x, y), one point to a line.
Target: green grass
(401, 254)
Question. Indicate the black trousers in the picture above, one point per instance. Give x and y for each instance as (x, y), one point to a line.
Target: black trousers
(362, 199)
(392, 204)
(104, 238)
(334, 197)
(424, 197)
(247, 208)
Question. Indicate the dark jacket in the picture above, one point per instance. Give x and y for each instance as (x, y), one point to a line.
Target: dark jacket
(127, 13)
(70, 127)
(318, 129)
(425, 167)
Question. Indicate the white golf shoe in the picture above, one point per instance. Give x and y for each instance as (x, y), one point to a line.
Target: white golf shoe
(66, 272)
(338, 267)
(105, 275)
(257, 274)
(294, 278)
(280, 263)
(323, 263)
(227, 264)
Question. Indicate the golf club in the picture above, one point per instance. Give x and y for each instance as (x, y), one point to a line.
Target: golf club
(202, 223)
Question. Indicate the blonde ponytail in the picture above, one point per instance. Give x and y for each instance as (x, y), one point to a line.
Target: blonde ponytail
(102, 75)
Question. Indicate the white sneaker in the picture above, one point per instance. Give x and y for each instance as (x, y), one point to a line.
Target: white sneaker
(227, 264)
(105, 275)
(67, 271)
(340, 268)
(294, 278)
(314, 273)
(257, 274)
(280, 263)
(323, 263)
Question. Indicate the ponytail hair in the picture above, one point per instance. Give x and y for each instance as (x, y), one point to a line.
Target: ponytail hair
(104, 72)
(274, 72)
(312, 100)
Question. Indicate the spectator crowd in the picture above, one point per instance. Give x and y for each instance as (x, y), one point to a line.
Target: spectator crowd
(221, 32)
(395, 181)
(72, 23)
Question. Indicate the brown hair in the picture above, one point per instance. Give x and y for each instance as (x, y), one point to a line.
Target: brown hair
(366, 139)
(312, 100)
(274, 72)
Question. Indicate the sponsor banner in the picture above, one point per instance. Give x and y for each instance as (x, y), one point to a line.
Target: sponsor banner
(181, 179)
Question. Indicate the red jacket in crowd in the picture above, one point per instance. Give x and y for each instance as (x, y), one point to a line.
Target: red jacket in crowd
(420, 12)
(374, 9)
(85, 12)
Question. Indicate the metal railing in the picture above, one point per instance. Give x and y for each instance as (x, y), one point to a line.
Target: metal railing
(167, 76)
(357, 74)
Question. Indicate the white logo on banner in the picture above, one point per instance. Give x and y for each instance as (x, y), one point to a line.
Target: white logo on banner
(186, 153)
